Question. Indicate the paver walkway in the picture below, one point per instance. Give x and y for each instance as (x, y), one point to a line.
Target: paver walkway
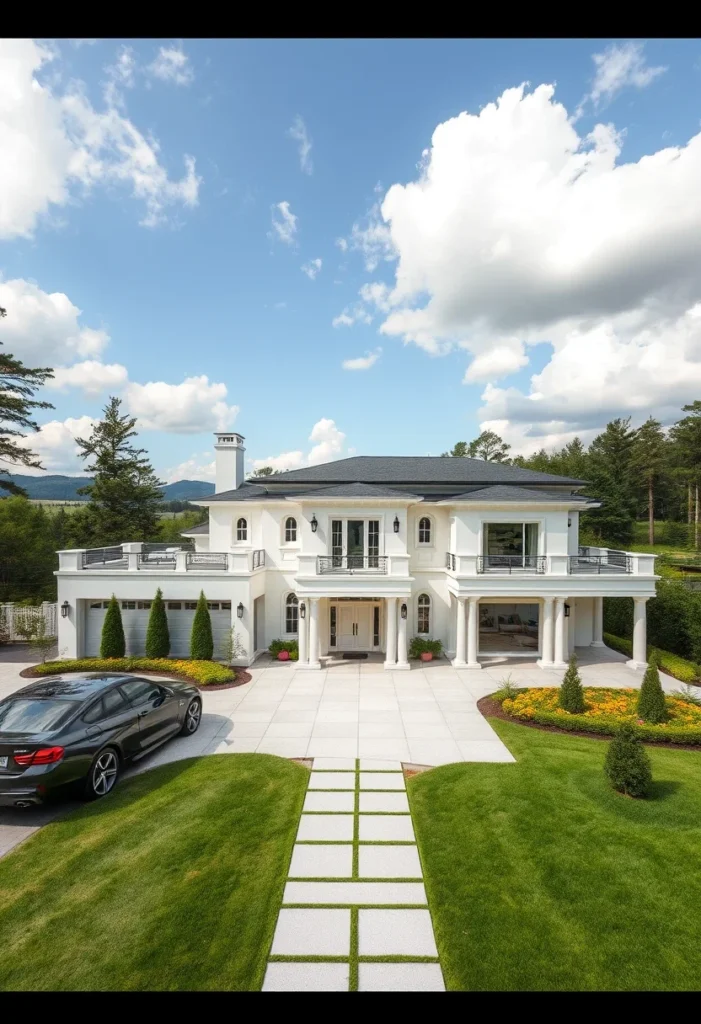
(354, 913)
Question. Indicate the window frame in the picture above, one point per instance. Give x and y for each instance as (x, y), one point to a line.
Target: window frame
(431, 532)
(289, 533)
(423, 608)
(291, 603)
(241, 530)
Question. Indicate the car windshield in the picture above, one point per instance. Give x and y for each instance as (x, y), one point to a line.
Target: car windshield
(27, 715)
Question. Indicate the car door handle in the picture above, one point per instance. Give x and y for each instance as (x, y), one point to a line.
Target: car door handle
(142, 714)
(94, 730)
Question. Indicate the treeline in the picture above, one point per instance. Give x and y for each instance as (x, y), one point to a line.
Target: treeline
(649, 473)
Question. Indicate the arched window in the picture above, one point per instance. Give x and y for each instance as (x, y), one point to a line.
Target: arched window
(290, 530)
(424, 530)
(424, 616)
(241, 529)
(291, 614)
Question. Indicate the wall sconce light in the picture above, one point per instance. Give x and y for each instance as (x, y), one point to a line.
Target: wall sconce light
(396, 524)
(567, 611)
(239, 610)
(314, 524)
(302, 610)
(403, 611)
(65, 608)
(569, 520)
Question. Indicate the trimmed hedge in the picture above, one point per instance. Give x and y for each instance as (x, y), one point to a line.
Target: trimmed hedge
(112, 642)
(291, 646)
(157, 635)
(201, 639)
(670, 663)
(202, 673)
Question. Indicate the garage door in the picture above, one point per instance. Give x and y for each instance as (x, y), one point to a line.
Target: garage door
(135, 615)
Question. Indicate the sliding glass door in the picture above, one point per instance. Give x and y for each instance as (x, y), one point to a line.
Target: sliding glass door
(510, 545)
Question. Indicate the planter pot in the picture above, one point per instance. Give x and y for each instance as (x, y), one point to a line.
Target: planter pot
(283, 656)
(427, 656)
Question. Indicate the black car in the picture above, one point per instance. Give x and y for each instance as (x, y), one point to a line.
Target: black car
(81, 730)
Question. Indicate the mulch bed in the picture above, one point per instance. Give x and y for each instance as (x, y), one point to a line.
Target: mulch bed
(241, 677)
(491, 708)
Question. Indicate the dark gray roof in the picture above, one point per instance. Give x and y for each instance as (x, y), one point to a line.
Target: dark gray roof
(246, 492)
(505, 492)
(416, 469)
(203, 528)
(355, 490)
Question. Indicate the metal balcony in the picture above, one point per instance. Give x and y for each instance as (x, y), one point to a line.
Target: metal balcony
(511, 563)
(347, 565)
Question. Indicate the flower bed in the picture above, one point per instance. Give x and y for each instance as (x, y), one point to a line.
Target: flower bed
(606, 710)
(201, 673)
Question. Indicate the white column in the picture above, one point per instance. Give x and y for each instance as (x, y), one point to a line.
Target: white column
(314, 633)
(402, 662)
(546, 633)
(472, 633)
(571, 627)
(302, 633)
(459, 659)
(639, 659)
(598, 632)
(560, 633)
(391, 653)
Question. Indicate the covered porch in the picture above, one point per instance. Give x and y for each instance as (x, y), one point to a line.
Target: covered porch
(365, 624)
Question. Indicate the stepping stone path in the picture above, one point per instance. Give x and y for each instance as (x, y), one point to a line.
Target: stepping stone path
(354, 914)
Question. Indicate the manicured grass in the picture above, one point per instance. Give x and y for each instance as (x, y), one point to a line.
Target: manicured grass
(172, 882)
(539, 876)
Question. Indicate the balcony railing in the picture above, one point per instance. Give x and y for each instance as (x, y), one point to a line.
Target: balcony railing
(258, 559)
(349, 564)
(218, 560)
(450, 561)
(611, 562)
(511, 563)
(104, 558)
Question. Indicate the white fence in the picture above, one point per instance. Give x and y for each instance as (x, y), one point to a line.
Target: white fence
(14, 618)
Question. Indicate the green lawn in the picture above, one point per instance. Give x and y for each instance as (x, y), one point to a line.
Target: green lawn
(173, 882)
(540, 877)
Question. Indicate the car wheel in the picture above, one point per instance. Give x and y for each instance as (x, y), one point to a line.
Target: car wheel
(193, 717)
(103, 773)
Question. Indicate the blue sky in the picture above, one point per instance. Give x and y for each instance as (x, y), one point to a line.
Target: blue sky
(209, 288)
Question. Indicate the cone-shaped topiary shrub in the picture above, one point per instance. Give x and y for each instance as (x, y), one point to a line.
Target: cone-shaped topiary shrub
(652, 706)
(571, 695)
(627, 764)
(157, 635)
(201, 641)
(112, 643)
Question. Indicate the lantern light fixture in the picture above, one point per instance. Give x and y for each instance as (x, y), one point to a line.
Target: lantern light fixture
(396, 524)
(403, 611)
(239, 609)
(302, 610)
(314, 524)
(65, 608)
(567, 611)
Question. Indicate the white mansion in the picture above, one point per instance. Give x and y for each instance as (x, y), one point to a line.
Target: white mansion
(361, 555)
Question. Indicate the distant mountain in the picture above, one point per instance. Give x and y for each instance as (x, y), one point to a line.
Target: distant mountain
(65, 488)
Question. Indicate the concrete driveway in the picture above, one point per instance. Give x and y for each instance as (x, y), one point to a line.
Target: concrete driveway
(427, 716)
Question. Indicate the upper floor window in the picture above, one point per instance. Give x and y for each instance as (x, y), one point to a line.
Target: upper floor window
(424, 530)
(290, 530)
(423, 620)
(241, 529)
(513, 545)
(291, 614)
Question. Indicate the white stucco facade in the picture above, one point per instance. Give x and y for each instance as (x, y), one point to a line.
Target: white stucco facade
(363, 566)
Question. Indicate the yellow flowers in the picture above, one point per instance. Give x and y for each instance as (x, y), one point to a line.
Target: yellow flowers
(617, 706)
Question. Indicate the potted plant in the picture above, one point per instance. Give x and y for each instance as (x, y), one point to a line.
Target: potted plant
(425, 649)
(284, 650)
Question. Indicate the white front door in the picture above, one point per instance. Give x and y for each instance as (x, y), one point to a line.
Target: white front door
(354, 625)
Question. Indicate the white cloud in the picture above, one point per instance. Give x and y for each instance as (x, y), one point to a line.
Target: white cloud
(342, 244)
(91, 376)
(55, 445)
(56, 145)
(518, 230)
(172, 64)
(197, 467)
(312, 268)
(284, 225)
(82, 42)
(328, 445)
(373, 238)
(344, 319)
(43, 329)
(621, 65)
(358, 314)
(362, 362)
(194, 406)
(299, 133)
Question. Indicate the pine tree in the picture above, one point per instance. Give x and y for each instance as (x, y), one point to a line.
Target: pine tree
(18, 384)
(489, 447)
(610, 470)
(458, 451)
(571, 696)
(685, 437)
(112, 642)
(652, 706)
(627, 764)
(157, 635)
(649, 458)
(125, 496)
(201, 640)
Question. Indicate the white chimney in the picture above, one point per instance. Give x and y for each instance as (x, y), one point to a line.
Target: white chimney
(228, 462)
